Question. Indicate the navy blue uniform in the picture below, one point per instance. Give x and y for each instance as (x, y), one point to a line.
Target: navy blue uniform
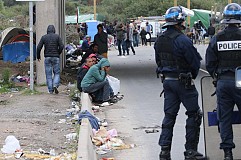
(221, 61)
(179, 56)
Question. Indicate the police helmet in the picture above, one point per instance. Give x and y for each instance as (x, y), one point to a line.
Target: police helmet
(232, 14)
(174, 15)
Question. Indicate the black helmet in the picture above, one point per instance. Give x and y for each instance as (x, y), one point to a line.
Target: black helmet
(174, 15)
(232, 14)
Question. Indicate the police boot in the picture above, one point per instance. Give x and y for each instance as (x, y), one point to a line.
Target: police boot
(165, 153)
(228, 155)
(193, 155)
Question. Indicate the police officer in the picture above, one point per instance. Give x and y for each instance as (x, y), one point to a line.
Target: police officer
(178, 62)
(223, 55)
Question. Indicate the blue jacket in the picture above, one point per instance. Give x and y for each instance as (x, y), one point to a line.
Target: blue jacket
(183, 47)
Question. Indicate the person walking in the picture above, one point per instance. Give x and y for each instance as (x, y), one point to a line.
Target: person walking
(101, 38)
(120, 35)
(128, 41)
(221, 62)
(178, 62)
(143, 36)
(148, 32)
(53, 47)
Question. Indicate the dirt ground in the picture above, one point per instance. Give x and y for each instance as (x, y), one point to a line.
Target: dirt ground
(33, 119)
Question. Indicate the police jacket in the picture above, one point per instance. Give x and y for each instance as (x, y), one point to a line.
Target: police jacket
(52, 42)
(175, 53)
(223, 54)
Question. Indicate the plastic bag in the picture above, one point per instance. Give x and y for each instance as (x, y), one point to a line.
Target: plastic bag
(114, 83)
(11, 145)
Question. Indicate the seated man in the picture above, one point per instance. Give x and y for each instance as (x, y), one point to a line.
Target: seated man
(82, 72)
(94, 82)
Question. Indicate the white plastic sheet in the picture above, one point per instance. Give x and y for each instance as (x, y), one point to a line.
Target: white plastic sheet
(11, 145)
(114, 83)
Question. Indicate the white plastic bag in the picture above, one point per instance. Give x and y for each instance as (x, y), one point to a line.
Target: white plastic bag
(11, 145)
(114, 83)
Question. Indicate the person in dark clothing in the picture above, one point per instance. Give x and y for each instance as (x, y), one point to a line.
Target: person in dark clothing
(143, 36)
(82, 71)
(85, 45)
(92, 50)
(178, 62)
(211, 31)
(222, 58)
(101, 39)
(53, 47)
(120, 36)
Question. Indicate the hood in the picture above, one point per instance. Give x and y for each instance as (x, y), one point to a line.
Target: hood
(51, 29)
(103, 63)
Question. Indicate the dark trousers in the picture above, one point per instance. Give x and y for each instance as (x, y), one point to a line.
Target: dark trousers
(100, 89)
(143, 41)
(149, 40)
(227, 97)
(127, 45)
(120, 44)
(175, 94)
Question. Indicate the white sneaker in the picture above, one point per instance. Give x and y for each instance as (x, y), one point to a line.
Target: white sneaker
(106, 104)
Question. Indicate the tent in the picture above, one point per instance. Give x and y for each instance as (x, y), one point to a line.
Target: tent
(202, 15)
(14, 45)
(82, 18)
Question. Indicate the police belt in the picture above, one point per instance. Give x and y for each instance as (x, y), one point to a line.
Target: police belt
(171, 76)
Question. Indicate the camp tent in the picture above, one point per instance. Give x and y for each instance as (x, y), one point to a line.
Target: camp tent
(14, 45)
(82, 18)
(202, 15)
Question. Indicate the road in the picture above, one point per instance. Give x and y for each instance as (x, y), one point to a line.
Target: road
(143, 107)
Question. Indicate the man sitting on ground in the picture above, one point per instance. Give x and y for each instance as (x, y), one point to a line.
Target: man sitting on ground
(82, 71)
(94, 82)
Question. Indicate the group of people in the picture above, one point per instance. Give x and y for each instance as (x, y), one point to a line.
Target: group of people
(178, 64)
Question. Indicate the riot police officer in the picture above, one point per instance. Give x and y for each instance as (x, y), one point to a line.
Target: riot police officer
(178, 62)
(222, 57)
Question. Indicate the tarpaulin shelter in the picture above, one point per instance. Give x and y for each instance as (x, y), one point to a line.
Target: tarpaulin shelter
(202, 15)
(82, 18)
(14, 45)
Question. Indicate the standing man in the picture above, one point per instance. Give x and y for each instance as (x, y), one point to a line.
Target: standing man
(221, 63)
(179, 62)
(101, 40)
(53, 47)
(148, 31)
(120, 35)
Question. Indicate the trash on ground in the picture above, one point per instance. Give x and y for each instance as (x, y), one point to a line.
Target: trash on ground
(62, 121)
(11, 145)
(151, 130)
(71, 136)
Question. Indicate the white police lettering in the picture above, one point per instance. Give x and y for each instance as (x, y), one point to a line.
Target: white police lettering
(229, 45)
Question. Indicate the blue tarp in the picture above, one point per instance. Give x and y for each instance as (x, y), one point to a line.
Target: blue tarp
(17, 52)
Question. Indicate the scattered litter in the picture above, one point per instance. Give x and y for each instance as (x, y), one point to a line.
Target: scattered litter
(107, 159)
(71, 136)
(112, 133)
(151, 130)
(142, 127)
(11, 145)
(101, 152)
(62, 121)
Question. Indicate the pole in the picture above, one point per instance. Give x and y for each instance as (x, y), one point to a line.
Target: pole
(94, 9)
(31, 43)
(175, 2)
(188, 6)
(229, 1)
